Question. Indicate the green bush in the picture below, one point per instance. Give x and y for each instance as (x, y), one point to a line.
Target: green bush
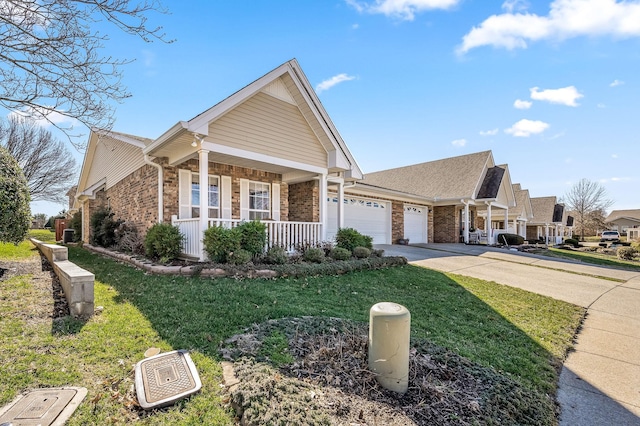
(377, 253)
(253, 236)
(15, 213)
(349, 238)
(626, 253)
(163, 242)
(361, 252)
(314, 255)
(103, 228)
(340, 253)
(239, 257)
(128, 238)
(276, 255)
(76, 224)
(219, 242)
(511, 239)
(572, 242)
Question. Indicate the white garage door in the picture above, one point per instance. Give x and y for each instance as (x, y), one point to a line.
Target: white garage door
(415, 223)
(369, 217)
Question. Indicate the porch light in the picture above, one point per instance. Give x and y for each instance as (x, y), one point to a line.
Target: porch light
(196, 139)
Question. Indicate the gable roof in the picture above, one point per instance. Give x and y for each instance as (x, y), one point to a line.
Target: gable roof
(491, 182)
(633, 215)
(543, 210)
(523, 200)
(449, 178)
(286, 82)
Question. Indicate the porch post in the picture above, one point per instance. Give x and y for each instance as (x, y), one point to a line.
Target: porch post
(340, 205)
(546, 233)
(204, 196)
(466, 222)
(323, 206)
(506, 219)
(488, 225)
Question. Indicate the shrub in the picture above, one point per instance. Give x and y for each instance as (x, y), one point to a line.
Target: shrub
(219, 242)
(377, 253)
(361, 252)
(626, 253)
(128, 238)
(349, 238)
(15, 213)
(253, 236)
(276, 255)
(239, 257)
(314, 255)
(511, 239)
(572, 242)
(76, 224)
(103, 228)
(340, 253)
(163, 242)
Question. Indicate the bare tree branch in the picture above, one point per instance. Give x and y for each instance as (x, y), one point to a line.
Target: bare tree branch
(586, 198)
(51, 60)
(47, 164)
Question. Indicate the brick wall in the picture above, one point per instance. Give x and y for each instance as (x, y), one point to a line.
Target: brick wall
(135, 198)
(445, 225)
(304, 202)
(397, 221)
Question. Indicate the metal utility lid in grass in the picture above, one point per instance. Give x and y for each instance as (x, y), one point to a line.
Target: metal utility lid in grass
(163, 379)
(43, 407)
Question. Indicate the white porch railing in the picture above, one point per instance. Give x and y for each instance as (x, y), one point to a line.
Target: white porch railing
(279, 233)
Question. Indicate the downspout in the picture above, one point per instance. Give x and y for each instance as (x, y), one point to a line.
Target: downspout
(147, 160)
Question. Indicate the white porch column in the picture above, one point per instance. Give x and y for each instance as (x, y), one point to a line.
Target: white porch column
(340, 205)
(515, 227)
(466, 222)
(323, 205)
(506, 219)
(204, 195)
(487, 225)
(546, 233)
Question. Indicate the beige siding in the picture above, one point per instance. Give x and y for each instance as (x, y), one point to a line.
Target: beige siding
(269, 126)
(114, 160)
(502, 195)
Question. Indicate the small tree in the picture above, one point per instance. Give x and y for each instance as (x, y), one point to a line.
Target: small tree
(15, 214)
(586, 197)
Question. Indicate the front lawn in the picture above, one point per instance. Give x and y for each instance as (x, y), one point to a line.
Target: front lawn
(594, 258)
(522, 335)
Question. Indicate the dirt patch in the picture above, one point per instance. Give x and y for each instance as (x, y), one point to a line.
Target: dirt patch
(327, 381)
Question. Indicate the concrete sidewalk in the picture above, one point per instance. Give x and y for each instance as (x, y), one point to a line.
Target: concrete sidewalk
(600, 380)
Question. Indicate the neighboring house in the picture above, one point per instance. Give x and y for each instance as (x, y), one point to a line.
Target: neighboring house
(462, 193)
(268, 152)
(625, 222)
(547, 221)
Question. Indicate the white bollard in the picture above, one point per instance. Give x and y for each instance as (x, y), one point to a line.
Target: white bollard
(389, 330)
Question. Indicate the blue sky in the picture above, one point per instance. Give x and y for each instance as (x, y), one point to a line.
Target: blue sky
(551, 87)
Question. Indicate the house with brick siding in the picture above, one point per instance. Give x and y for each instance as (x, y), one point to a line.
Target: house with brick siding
(462, 195)
(548, 222)
(268, 152)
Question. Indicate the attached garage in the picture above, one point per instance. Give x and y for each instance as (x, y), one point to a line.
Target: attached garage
(368, 216)
(415, 223)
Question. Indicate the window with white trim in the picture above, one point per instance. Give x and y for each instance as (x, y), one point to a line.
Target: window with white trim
(259, 201)
(213, 196)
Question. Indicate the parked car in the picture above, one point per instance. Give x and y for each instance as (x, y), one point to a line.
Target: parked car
(610, 236)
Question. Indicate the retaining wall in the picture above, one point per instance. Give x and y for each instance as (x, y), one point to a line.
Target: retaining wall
(76, 282)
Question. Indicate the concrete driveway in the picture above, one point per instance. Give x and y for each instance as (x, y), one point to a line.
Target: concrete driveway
(600, 380)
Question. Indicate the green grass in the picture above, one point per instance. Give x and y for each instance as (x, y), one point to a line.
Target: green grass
(24, 250)
(595, 259)
(516, 332)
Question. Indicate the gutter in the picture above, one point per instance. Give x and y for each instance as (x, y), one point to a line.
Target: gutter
(147, 160)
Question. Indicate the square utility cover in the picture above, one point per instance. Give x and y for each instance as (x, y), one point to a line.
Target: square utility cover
(165, 378)
(43, 407)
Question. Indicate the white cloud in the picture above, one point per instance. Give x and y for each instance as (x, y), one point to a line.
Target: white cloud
(355, 26)
(616, 82)
(336, 79)
(520, 104)
(517, 5)
(492, 132)
(564, 96)
(616, 179)
(525, 128)
(402, 9)
(601, 105)
(45, 118)
(459, 142)
(614, 155)
(566, 19)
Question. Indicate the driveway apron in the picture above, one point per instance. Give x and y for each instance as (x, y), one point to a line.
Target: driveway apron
(600, 380)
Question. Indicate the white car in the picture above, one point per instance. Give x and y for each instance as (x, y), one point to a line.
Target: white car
(610, 236)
